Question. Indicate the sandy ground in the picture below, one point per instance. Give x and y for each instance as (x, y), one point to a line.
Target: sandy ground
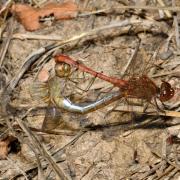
(121, 145)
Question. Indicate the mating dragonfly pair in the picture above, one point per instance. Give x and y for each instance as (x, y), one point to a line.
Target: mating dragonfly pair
(141, 87)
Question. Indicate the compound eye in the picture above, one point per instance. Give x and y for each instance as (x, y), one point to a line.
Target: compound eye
(62, 69)
(166, 91)
(67, 68)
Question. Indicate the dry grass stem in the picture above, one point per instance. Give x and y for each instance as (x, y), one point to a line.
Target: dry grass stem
(168, 14)
(35, 36)
(149, 111)
(3, 51)
(16, 166)
(166, 159)
(115, 9)
(172, 73)
(176, 26)
(72, 141)
(95, 31)
(5, 6)
(125, 40)
(42, 150)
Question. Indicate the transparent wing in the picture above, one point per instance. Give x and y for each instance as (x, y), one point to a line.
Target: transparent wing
(142, 60)
(52, 118)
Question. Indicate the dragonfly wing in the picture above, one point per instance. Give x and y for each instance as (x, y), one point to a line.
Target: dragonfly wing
(52, 118)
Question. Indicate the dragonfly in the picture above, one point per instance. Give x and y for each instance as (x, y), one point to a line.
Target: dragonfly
(136, 86)
(140, 87)
(51, 93)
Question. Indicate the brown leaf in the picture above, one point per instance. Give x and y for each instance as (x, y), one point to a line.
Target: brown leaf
(4, 146)
(3, 149)
(43, 75)
(29, 16)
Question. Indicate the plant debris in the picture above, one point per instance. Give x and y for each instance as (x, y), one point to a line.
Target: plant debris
(8, 144)
(30, 17)
(123, 39)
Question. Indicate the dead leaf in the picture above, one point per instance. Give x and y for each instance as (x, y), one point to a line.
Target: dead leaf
(43, 75)
(3, 149)
(5, 146)
(29, 16)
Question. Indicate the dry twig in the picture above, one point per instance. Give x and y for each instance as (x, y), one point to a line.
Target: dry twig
(149, 111)
(116, 9)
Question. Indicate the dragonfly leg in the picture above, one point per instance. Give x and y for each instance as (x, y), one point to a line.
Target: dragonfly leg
(157, 106)
(113, 109)
(145, 107)
(164, 105)
(104, 92)
(88, 86)
(64, 86)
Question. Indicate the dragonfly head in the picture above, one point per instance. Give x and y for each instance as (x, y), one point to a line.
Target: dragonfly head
(166, 92)
(62, 69)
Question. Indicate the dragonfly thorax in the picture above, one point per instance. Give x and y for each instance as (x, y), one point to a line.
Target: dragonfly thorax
(140, 87)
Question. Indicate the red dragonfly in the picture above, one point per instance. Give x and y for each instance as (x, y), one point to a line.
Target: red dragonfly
(141, 87)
